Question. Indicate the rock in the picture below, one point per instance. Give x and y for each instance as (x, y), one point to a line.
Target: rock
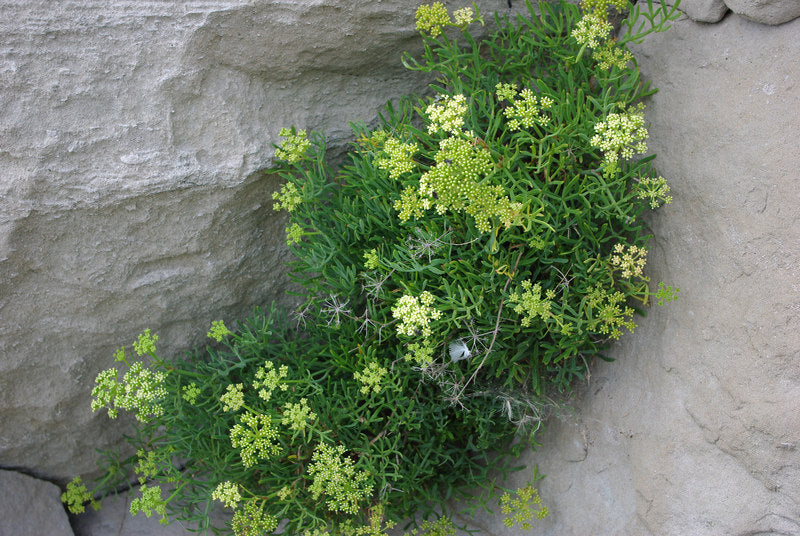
(702, 10)
(766, 11)
(132, 185)
(114, 518)
(31, 507)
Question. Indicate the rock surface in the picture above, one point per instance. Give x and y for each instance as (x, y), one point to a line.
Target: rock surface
(134, 138)
(114, 518)
(766, 11)
(694, 429)
(31, 507)
(702, 10)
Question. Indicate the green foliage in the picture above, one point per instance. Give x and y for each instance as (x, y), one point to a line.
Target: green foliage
(460, 270)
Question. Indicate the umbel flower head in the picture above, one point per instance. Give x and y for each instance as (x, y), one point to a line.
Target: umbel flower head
(415, 314)
(294, 146)
(335, 477)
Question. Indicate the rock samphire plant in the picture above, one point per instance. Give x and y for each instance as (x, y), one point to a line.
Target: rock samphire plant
(461, 270)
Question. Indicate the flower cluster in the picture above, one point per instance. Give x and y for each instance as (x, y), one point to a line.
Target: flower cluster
(256, 437)
(421, 353)
(228, 494)
(523, 507)
(415, 314)
(371, 378)
(190, 393)
(218, 331)
(464, 16)
(77, 496)
(397, 158)
(447, 117)
(140, 390)
(268, 379)
(371, 261)
(335, 477)
(591, 29)
(233, 398)
(666, 293)
(526, 108)
(530, 302)
(600, 7)
(250, 520)
(654, 189)
(287, 198)
(621, 135)
(146, 344)
(294, 233)
(610, 55)
(631, 261)
(454, 183)
(147, 465)
(150, 501)
(411, 204)
(431, 18)
(297, 416)
(294, 146)
(441, 527)
(608, 313)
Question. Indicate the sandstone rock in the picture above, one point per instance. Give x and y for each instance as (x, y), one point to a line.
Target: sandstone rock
(31, 507)
(766, 11)
(702, 10)
(134, 138)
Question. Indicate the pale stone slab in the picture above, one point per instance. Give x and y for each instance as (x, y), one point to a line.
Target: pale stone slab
(31, 507)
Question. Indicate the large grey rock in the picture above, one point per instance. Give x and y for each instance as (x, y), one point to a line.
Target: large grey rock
(30, 507)
(131, 185)
(695, 428)
(702, 10)
(766, 11)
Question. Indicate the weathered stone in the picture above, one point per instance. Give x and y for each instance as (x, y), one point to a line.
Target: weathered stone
(766, 11)
(134, 135)
(114, 518)
(702, 10)
(31, 507)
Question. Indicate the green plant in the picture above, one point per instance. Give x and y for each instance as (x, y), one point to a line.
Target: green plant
(460, 271)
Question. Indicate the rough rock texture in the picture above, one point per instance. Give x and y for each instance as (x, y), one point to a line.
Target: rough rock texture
(30, 507)
(766, 11)
(114, 518)
(702, 10)
(695, 429)
(134, 134)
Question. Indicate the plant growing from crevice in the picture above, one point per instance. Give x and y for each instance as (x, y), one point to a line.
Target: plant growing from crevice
(460, 271)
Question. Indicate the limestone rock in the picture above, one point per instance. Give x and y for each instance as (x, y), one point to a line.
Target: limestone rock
(766, 11)
(702, 10)
(31, 507)
(135, 135)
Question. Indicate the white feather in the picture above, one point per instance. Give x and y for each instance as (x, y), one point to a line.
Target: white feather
(459, 350)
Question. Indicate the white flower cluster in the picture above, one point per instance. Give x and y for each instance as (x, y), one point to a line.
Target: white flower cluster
(227, 493)
(448, 117)
(591, 29)
(415, 314)
(621, 135)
